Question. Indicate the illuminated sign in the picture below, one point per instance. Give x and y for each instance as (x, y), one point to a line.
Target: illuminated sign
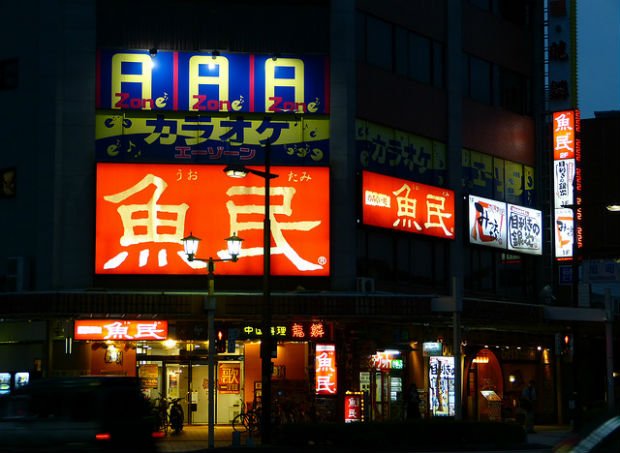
(430, 348)
(567, 183)
(564, 136)
(386, 360)
(409, 206)
(504, 225)
(487, 222)
(309, 331)
(564, 233)
(110, 329)
(143, 211)
(401, 154)
(325, 369)
(563, 182)
(229, 377)
(194, 138)
(441, 386)
(524, 229)
(353, 407)
(200, 82)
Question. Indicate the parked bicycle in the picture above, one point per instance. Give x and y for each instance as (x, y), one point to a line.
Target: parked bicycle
(247, 421)
(168, 414)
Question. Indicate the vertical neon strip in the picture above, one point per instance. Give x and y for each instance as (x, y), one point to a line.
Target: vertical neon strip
(326, 82)
(98, 80)
(175, 81)
(251, 82)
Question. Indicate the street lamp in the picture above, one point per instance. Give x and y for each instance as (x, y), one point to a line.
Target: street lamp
(190, 243)
(239, 171)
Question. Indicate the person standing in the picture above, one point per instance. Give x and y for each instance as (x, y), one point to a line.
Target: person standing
(413, 403)
(528, 401)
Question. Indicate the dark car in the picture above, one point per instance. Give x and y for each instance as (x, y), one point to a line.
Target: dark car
(97, 413)
(605, 438)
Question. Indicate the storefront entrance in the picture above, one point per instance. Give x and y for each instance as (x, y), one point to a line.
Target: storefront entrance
(188, 380)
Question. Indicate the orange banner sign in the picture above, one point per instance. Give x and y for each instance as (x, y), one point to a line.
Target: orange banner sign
(144, 210)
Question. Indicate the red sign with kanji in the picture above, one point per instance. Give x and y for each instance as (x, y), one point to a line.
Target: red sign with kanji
(111, 329)
(325, 370)
(144, 210)
(403, 205)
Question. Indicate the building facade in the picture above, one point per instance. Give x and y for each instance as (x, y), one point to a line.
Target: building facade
(410, 233)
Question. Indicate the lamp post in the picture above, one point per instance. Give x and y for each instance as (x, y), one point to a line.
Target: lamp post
(266, 340)
(190, 244)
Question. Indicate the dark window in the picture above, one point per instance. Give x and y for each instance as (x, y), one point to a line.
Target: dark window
(9, 74)
(515, 12)
(438, 64)
(379, 43)
(360, 39)
(419, 58)
(401, 51)
(478, 85)
(514, 92)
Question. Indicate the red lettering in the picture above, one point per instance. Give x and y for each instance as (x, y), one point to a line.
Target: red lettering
(125, 102)
(212, 104)
(122, 102)
(201, 99)
(277, 100)
(290, 106)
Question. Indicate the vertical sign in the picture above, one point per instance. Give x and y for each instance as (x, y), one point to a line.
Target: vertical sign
(353, 407)
(567, 183)
(325, 369)
(441, 385)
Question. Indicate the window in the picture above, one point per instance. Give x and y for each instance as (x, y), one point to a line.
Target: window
(401, 52)
(9, 71)
(360, 41)
(419, 58)
(379, 43)
(478, 84)
(438, 64)
(514, 92)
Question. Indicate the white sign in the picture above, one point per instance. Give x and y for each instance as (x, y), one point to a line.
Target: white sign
(487, 222)
(524, 230)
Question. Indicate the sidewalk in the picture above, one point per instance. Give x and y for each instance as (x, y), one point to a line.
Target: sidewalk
(195, 438)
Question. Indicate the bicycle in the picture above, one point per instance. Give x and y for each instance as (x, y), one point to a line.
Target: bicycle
(168, 413)
(247, 421)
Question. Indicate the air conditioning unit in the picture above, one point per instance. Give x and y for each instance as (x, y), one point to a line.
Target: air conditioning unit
(365, 284)
(17, 274)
